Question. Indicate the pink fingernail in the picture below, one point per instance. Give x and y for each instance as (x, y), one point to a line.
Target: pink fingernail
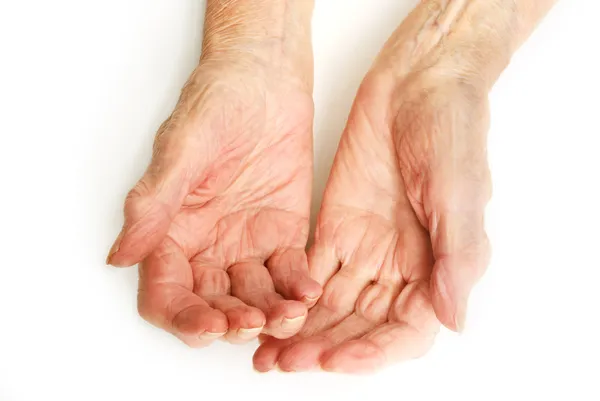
(293, 324)
(207, 335)
(247, 334)
(115, 247)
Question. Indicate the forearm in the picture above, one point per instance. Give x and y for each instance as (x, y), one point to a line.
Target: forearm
(272, 33)
(472, 39)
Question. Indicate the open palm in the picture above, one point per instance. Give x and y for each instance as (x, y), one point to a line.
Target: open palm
(388, 249)
(220, 218)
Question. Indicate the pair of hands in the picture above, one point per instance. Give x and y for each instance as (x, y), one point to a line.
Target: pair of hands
(220, 220)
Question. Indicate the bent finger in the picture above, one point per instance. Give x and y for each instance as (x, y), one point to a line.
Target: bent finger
(166, 299)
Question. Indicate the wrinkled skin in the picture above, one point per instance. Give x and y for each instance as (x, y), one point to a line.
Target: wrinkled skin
(221, 217)
(400, 238)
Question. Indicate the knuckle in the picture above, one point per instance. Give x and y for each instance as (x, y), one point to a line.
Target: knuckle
(212, 281)
(140, 190)
(135, 200)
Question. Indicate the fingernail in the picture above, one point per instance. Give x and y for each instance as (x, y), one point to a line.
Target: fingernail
(114, 248)
(309, 300)
(248, 334)
(293, 324)
(207, 335)
(460, 317)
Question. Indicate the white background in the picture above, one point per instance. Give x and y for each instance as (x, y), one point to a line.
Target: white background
(83, 87)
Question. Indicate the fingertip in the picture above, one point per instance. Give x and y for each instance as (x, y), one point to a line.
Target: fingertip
(442, 310)
(258, 370)
(119, 261)
(286, 318)
(198, 320)
(215, 321)
(128, 251)
(263, 364)
(289, 327)
(117, 255)
(453, 278)
(211, 335)
(114, 249)
(310, 302)
(248, 334)
(449, 302)
(291, 310)
(290, 274)
(309, 292)
(245, 318)
(266, 356)
(245, 324)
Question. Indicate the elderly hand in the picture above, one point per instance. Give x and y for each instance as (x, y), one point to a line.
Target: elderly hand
(220, 219)
(400, 238)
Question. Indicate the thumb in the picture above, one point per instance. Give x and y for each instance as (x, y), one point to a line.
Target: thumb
(149, 209)
(155, 200)
(461, 250)
(152, 204)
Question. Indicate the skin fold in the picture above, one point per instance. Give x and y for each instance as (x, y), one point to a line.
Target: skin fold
(219, 221)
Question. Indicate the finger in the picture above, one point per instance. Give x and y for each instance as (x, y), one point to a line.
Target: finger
(325, 329)
(409, 333)
(166, 300)
(338, 303)
(252, 284)
(319, 319)
(391, 342)
(455, 208)
(289, 272)
(266, 356)
(212, 284)
(323, 262)
(154, 201)
(245, 322)
(209, 279)
(462, 251)
(414, 307)
(358, 270)
(344, 288)
(149, 209)
(306, 354)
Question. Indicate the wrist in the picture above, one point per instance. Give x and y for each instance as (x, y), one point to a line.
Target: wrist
(269, 36)
(471, 40)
